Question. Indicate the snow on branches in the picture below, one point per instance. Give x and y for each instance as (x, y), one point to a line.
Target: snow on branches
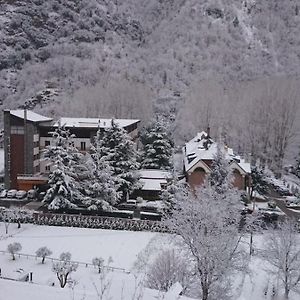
(157, 147)
(207, 221)
(117, 148)
(63, 191)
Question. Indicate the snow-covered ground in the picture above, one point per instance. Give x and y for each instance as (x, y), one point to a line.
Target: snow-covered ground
(124, 247)
(84, 244)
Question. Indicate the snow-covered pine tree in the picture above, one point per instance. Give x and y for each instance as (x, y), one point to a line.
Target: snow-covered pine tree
(220, 177)
(170, 195)
(101, 184)
(63, 191)
(119, 151)
(157, 147)
(259, 183)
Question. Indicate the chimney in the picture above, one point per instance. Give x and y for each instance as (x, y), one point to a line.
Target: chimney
(208, 131)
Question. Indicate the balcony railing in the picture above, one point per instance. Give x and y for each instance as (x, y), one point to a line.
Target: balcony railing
(32, 177)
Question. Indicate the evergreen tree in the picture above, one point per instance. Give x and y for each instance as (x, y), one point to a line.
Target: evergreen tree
(259, 183)
(102, 185)
(157, 147)
(174, 191)
(297, 166)
(220, 177)
(117, 148)
(63, 191)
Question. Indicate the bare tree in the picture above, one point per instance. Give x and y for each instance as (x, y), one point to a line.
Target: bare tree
(282, 251)
(7, 216)
(207, 221)
(13, 249)
(168, 268)
(272, 107)
(43, 252)
(120, 98)
(98, 262)
(64, 268)
(14, 214)
(208, 228)
(103, 287)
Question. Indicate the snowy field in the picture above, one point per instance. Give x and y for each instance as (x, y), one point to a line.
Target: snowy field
(124, 248)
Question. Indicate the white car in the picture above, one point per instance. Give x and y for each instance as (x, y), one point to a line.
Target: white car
(3, 194)
(31, 194)
(11, 193)
(21, 194)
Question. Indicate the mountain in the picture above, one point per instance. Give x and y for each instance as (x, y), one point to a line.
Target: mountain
(164, 45)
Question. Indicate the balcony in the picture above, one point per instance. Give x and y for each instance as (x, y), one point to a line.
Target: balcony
(38, 177)
(29, 181)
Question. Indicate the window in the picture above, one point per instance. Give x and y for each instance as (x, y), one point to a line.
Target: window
(47, 143)
(82, 146)
(47, 168)
(17, 130)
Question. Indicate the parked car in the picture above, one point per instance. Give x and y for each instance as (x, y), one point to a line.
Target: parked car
(282, 190)
(21, 194)
(31, 194)
(11, 193)
(3, 194)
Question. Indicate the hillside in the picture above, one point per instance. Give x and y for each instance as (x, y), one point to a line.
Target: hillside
(130, 58)
(164, 44)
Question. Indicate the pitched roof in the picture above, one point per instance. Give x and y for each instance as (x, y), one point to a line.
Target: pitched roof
(203, 147)
(153, 179)
(31, 116)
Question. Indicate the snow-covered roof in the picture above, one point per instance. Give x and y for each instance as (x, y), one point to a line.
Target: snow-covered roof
(94, 122)
(152, 180)
(152, 184)
(245, 166)
(155, 174)
(31, 116)
(203, 147)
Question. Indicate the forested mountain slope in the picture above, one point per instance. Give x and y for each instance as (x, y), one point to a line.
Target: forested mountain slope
(164, 44)
(117, 58)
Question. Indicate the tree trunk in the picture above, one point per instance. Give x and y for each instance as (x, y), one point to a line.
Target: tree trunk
(43, 260)
(286, 292)
(251, 242)
(205, 293)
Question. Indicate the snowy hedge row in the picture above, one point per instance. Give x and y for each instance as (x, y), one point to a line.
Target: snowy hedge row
(95, 222)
